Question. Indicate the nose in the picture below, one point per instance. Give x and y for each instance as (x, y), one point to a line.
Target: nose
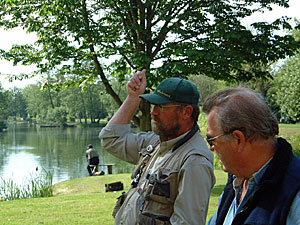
(211, 147)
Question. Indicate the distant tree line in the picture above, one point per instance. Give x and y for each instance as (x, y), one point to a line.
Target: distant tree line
(83, 104)
(89, 103)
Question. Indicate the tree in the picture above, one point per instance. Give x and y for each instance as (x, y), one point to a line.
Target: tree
(206, 86)
(287, 85)
(38, 102)
(93, 102)
(283, 95)
(57, 116)
(84, 102)
(3, 103)
(16, 103)
(72, 99)
(111, 38)
(52, 107)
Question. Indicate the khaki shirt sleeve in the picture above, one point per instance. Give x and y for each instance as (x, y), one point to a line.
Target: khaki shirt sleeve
(120, 142)
(196, 180)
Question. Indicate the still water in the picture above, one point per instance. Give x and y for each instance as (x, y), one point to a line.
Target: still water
(23, 148)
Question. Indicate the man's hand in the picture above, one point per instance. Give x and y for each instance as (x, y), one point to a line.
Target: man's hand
(137, 84)
(135, 87)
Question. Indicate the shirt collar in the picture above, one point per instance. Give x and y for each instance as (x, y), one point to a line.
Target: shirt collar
(258, 175)
(166, 146)
(254, 180)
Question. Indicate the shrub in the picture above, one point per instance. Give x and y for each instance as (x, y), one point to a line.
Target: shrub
(57, 116)
(217, 162)
(295, 142)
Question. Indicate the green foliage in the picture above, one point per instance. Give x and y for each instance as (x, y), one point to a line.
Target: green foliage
(53, 107)
(221, 180)
(295, 142)
(39, 185)
(38, 101)
(217, 162)
(202, 122)
(296, 32)
(3, 103)
(138, 35)
(284, 94)
(206, 86)
(57, 116)
(2, 125)
(16, 103)
(87, 40)
(286, 89)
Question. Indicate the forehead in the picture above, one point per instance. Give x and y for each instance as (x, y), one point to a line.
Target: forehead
(212, 128)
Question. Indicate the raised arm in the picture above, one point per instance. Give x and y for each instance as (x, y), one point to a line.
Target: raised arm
(135, 87)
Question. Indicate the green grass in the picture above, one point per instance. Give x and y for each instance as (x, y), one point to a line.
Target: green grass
(291, 132)
(288, 130)
(221, 179)
(84, 200)
(79, 201)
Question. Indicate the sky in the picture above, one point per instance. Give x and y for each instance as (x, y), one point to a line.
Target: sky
(18, 36)
(7, 39)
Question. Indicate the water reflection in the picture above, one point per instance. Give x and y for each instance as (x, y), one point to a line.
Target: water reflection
(23, 148)
(15, 168)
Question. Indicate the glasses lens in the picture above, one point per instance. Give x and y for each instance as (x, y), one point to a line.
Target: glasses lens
(209, 140)
(159, 106)
(162, 107)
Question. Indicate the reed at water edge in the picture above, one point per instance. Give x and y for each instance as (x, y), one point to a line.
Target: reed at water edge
(37, 185)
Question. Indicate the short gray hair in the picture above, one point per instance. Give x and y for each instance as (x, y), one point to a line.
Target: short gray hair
(242, 109)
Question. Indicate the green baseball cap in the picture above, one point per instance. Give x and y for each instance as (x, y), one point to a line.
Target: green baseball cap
(173, 89)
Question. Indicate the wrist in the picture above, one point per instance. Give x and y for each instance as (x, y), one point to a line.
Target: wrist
(133, 98)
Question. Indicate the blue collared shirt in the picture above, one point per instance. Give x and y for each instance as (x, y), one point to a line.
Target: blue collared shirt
(293, 216)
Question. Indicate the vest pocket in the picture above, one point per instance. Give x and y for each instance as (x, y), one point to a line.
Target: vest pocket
(159, 196)
(162, 189)
(119, 203)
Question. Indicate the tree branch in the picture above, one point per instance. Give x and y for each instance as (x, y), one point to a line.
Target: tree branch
(95, 58)
(118, 10)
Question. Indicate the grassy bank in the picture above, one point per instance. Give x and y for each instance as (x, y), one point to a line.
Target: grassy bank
(79, 201)
(84, 200)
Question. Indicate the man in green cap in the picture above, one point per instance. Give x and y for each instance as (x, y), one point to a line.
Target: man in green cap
(174, 174)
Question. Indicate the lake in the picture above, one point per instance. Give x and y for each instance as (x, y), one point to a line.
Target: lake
(24, 148)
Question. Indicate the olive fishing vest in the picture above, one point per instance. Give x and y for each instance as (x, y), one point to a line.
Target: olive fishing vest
(157, 197)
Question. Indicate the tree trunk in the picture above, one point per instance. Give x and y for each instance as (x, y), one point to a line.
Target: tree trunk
(84, 109)
(50, 97)
(145, 116)
(144, 119)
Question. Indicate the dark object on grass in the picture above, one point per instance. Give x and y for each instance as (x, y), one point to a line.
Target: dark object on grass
(116, 186)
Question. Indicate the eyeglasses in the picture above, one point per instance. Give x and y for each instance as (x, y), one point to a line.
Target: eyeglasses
(209, 140)
(213, 138)
(161, 107)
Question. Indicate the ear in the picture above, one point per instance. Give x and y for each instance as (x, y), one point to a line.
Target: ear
(187, 111)
(240, 139)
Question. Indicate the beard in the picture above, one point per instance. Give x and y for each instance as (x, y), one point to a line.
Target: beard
(166, 131)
